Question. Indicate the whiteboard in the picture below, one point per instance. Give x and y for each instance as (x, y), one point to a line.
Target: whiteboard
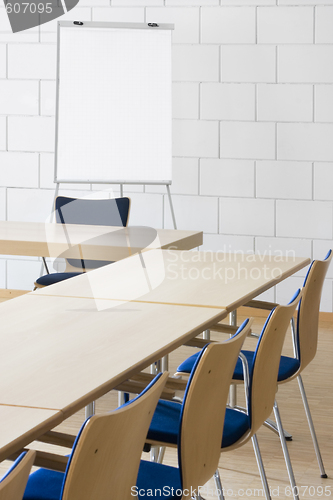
(113, 118)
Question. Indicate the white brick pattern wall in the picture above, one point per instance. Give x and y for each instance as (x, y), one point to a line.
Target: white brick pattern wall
(252, 134)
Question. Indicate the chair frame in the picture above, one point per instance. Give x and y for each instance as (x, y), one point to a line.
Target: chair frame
(305, 340)
(263, 380)
(106, 454)
(202, 418)
(70, 267)
(13, 484)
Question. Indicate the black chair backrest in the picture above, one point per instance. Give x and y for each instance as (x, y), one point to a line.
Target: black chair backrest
(109, 212)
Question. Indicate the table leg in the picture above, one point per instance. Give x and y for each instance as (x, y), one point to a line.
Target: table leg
(165, 363)
(90, 410)
(206, 334)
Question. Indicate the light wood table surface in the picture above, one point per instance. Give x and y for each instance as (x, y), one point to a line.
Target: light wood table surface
(63, 353)
(204, 279)
(89, 242)
(20, 426)
(72, 342)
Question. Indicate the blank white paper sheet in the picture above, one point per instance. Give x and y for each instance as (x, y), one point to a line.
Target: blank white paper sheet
(113, 104)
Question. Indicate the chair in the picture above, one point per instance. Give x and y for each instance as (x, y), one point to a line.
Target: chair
(199, 423)
(109, 212)
(260, 388)
(305, 339)
(13, 483)
(106, 454)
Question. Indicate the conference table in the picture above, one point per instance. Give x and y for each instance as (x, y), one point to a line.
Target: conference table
(175, 277)
(61, 353)
(90, 242)
(67, 344)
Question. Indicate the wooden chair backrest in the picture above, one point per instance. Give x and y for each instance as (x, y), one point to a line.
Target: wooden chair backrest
(204, 407)
(13, 484)
(105, 460)
(263, 379)
(308, 311)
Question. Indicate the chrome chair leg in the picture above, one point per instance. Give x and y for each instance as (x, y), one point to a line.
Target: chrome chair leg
(154, 451)
(285, 452)
(161, 455)
(218, 485)
(261, 467)
(233, 387)
(311, 427)
(273, 427)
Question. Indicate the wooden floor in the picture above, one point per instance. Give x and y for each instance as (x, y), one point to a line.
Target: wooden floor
(238, 469)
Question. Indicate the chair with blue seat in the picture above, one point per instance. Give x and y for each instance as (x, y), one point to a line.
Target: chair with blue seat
(198, 424)
(261, 386)
(106, 212)
(13, 483)
(305, 339)
(106, 454)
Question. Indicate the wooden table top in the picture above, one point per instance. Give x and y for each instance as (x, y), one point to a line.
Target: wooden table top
(72, 342)
(20, 426)
(203, 279)
(63, 353)
(89, 242)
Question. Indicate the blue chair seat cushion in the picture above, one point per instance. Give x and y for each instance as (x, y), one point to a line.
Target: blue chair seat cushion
(236, 424)
(288, 366)
(187, 365)
(50, 279)
(44, 484)
(165, 422)
(158, 481)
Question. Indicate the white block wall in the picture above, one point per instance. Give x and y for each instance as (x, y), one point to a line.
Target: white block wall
(252, 133)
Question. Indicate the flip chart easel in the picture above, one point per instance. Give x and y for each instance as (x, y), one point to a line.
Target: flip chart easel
(113, 110)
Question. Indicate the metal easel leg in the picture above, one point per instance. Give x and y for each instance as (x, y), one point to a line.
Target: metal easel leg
(171, 207)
